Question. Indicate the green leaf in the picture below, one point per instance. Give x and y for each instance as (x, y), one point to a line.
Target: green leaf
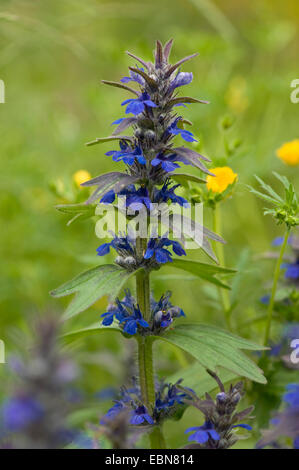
(269, 190)
(149, 80)
(186, 99)
(120, 85)
(90, 286)
(183, 178)
(90, 330)
(196, 232)
(283, 179)
(263, 196)
(197, 378)
(202, 270)
(213, 347)
(74, 208)
(78, 211)
(101, 140)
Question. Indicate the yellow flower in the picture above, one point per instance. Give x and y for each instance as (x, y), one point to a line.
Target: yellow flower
(80, 177)
(289, 152)
(224, 176)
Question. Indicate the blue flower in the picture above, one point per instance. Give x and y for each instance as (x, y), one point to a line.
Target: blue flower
(168, 162)
(108, 197)
(127, 154)
(275, 350)
(173, 396)
(279, 241)
(136, 199)
(18, 413)
(120, 244)
(286, 423)
(126, 313)
(292, 270)
(292, 396)
(106, 393)
(155, 247)
(113, 412)
(130, 322)
(138, 105)
(140, 415)
(108, 317)
(118, 121)
(163, 312)
(203, 433)
(175, 130)
(182, 78)
(165, 194)
(265, 299)
(242, 425)
(134, 77)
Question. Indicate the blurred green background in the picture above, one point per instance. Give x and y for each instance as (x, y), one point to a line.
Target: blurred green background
(53, 55)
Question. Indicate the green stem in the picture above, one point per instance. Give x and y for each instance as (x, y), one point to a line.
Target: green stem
(223, 293)
(145, 348)
(274, 288)
(157, 439)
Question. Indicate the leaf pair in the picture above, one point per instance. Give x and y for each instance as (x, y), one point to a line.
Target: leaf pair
(90, 286)
(212, 348)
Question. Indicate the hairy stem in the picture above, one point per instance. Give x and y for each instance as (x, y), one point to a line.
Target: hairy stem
(274, 288)
(145, 348)
(157, 439)
(223, 293)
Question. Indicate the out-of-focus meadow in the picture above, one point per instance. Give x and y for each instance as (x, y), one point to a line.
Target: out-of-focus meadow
(53, 55)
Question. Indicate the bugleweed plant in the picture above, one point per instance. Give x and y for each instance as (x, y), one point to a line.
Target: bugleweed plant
(151, 161)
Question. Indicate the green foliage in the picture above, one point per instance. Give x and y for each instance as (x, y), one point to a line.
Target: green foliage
(89, 330)
(213, 347)
(203, 271)
(78, 211)
(285, 209)
(196, 377)
(62, 50)
(90, 286)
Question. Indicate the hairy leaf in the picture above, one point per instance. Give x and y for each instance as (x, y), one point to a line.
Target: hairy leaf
(196, 232)
(186, 99)
(78, 211)
(197, 378)
(145, 64)
(150, 81)
(73, 209)
(115, 181)
(89, 330)
(101, 140)
(120, 85)
(127, 122)
(213, 347)
(183, 178)
(159, 54)
(167, 49)
(193, 157)
(172, 68)
(91, 286)
(203, 270)
(105, 179)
